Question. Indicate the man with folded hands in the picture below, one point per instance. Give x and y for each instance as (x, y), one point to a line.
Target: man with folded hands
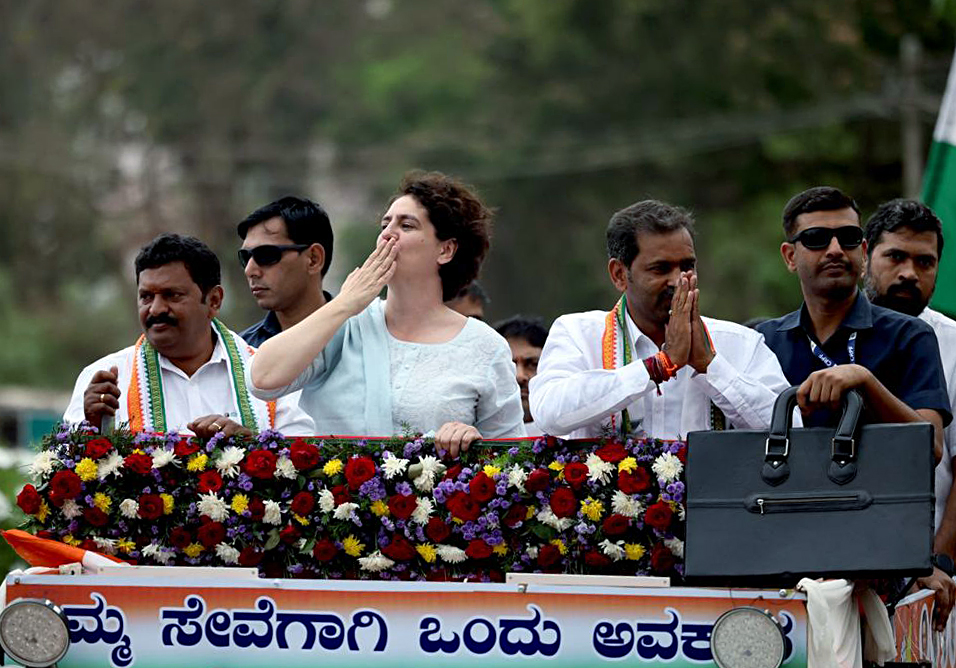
(652, 363)
(187, 371)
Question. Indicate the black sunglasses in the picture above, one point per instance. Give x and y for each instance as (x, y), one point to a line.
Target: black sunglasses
(818, 238)
(268, 254)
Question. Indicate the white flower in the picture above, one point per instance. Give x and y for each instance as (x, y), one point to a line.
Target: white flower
(285, 468)
(346, 511)
(228, 462)
(212, 506)
(680, 512)
(70, 509)
(425, 472)
(394, 466)
(42, 464)
(516, 477)
(598, 469)
(532, 552)
(273, 514)
(546, 516)
(163, 457)
(107, 545)
(423, 511)
(326, 501)
(450, 553)
(626, 505)
(676, 546)
(375, 562)
(667, 467)
(227, 553)
(109, 466)
(158, 553)
(129, 508)
(613, 550)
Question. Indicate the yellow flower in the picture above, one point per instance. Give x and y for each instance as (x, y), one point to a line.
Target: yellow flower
(125, 545)
(87, 469)
(491, 471)
(193, 550)
(138, 451)
(239, 503)
(427, 551)
(592, 509)
(627, 464)
(304, 521)
(352, 546)
(44, 510)
(332, 467)
(380, 508)
(633, 551)
(556, 466)
(558, 543)
(102, 501)
(500, 549)
(70, 540)
(198, 462)
(168, 503)
(531, 513)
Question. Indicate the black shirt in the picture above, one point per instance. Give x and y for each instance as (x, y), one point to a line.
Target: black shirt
(901, 351)
(268, 327)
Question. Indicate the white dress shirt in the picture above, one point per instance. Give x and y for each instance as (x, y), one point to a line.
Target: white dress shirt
(209, 391)
(573, 394)
(945, 329)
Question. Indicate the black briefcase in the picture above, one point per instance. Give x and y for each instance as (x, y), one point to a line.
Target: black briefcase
(769, 508)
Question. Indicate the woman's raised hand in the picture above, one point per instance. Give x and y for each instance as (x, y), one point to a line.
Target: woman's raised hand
(365, 282)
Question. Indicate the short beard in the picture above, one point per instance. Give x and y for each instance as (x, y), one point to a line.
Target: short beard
(893, 302)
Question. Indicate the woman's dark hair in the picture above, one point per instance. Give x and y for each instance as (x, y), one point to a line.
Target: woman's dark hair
(456, 213)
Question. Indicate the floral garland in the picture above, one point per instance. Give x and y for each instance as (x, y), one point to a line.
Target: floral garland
(348, 508)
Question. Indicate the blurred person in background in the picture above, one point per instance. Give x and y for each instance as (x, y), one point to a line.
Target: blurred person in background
(369, 366)
(187, 371)
(904, 243)
(286, 252)
(526, 337)
(470, 301)
(653, 364)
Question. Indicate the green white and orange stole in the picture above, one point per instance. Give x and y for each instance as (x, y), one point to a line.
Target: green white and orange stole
(145, 401)
(617, 351)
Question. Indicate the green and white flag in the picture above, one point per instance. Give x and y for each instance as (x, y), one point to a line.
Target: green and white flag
(939, 193)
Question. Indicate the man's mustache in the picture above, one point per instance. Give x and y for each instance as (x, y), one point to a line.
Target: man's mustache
(162, 319)
(906, 289)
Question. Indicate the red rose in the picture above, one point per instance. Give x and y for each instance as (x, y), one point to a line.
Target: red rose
(257, 509)
(516, 514)
(324, 550)
(402, 505)
(682, 454)
(612, 452)
(304, 455)
(180, 537)
(537, 481)
(95, 517)
(399, 549)
(437, 531)
(89, 544)
(211, 534)
(340, 493)
(615, 525)
(550, 441)
(478, 549)
(29, 500)
(633, 482)
(576, 474)
(303, 503)
(659, 516)
(65, 485)
(482, 487)
(251, 556)
(359, 470)
(562, 502)
(461, 505)
(210, 481)
(548, 556)
(289, 534)
(593, 558)
(139, 463)
(184, 448)
(272, 569)
(453, 472)
(662, 559)
(260, 464)
(97, 448)
(150, 506)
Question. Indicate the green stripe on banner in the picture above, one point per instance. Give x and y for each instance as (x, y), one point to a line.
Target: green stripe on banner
(939, 193)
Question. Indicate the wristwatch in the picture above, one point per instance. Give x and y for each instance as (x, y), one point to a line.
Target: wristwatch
(944, 563)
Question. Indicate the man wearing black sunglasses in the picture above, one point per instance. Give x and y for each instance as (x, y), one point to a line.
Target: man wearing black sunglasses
(837, 340)
(286, 251)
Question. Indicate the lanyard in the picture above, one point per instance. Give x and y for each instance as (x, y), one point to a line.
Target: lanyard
(823, 357)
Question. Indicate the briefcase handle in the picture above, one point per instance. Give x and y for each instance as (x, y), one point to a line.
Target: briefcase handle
(842, 467)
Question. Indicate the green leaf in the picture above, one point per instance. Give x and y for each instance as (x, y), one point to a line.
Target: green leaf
(272, 541)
